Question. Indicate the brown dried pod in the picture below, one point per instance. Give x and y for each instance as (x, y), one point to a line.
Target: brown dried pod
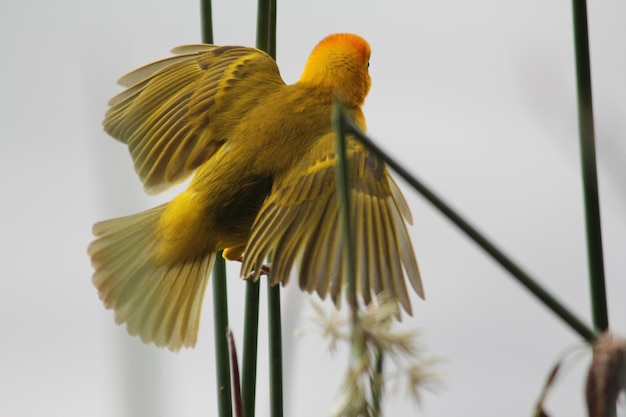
(607, 376)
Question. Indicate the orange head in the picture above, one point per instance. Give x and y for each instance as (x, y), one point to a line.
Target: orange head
(340, 62)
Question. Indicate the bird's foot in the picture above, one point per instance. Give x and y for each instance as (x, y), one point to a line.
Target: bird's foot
(265, 269)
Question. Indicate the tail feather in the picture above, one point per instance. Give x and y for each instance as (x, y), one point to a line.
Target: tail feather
(159, 302)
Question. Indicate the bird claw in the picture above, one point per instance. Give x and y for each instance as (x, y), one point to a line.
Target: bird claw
(265, 269)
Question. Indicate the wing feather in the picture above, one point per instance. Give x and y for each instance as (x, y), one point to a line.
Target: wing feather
(313, 263)
(287, 246)
(266, 235)
(382, 272)
(299, 227)
(393, 254)
(400, 202)
(334, 277)
(176, 112)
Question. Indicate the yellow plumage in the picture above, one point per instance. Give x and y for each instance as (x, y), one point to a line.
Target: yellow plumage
(263, 157)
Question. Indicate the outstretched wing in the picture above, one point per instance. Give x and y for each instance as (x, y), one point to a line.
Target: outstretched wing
(176, 112)
(299, 224)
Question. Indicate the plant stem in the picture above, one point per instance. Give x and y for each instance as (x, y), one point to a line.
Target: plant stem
(207, 21)
(343, 194)
(342, 171)
(220, 315)
(250, 344)
(275, 349)
(588, 166)
(220, 292)
(377, 384)
(266, 27)
(234, 363)
(266, 41)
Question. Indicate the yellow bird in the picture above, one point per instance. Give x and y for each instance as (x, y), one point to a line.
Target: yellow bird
(263, 156)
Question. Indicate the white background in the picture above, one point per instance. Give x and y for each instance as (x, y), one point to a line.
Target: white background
(476, 98)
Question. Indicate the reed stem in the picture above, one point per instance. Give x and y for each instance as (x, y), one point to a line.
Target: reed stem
(588, 167)
(250, 348)
(222, 356)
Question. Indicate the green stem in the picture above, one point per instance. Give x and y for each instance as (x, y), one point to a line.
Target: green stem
(343, 194)
(275, 349)
(522, 277)
(377, 384)
(220, 315)
(250, 344)
(220, 292)
(588, 166)
(266, 41)
(342, 170)
(207, 21)
(266, 27)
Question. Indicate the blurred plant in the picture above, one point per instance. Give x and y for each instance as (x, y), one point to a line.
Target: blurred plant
(564, 363)
(606, 376)
(372, 342)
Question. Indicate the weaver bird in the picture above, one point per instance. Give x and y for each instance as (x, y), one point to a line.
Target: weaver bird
(264, 162)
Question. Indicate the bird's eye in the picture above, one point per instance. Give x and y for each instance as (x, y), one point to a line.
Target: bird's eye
(368, 64)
